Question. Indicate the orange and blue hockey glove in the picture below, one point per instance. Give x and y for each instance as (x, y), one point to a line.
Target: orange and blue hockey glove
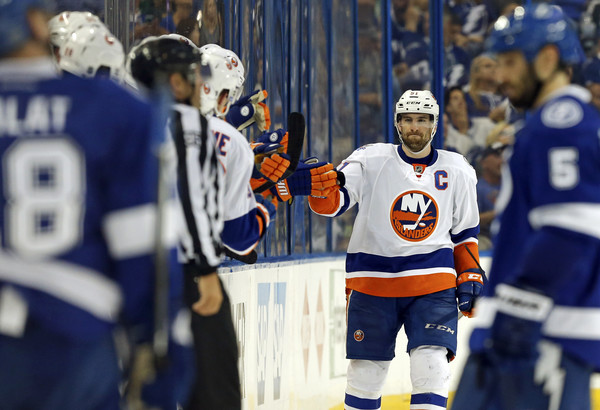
(249, 110)
(311, 178)
(270, 155)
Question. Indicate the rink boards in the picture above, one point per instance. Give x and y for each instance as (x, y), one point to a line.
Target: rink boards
(290, 321)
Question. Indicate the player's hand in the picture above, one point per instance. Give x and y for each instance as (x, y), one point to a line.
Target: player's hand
(314, 178)
(172, 382)
(211, 295)
(517, 327)
(270, 155)
(468, 288)
(249, 110)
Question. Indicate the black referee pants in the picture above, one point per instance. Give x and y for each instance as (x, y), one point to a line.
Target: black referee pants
(217, 384)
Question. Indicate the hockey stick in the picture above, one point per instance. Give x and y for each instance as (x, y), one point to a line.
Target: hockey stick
(160, 339)
(248, 259)
(296, 129)
(485, 279)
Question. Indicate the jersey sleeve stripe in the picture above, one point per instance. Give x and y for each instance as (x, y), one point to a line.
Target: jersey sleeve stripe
(130, 232)
(84, 288)
(561, 216)
(464, 235)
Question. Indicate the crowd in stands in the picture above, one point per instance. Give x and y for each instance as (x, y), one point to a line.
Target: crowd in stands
(480, 120)
(476, 113)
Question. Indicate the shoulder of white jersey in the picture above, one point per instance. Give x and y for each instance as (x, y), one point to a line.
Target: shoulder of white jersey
(456, 161)
(373, 150)
(185, 109)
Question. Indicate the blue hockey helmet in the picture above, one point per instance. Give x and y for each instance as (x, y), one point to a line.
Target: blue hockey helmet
(14, 29)
(529, 29)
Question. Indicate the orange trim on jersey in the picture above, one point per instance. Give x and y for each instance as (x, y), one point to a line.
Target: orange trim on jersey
(462, 260)
(403, 287)
(327, 205)
(260, 224)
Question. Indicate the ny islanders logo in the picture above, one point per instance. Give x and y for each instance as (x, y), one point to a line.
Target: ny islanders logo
(414, 215)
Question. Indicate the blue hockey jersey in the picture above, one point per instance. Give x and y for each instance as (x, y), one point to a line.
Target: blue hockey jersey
(77, 200)
(548, 232)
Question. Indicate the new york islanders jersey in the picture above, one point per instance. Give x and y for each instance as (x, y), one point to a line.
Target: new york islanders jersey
(411, 217)
(548, 235)
(241, 231)
(77, 193)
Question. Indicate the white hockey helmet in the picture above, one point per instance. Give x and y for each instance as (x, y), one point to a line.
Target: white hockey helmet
(92, 50)
(227, 75)
(63, 24)
(415, 102)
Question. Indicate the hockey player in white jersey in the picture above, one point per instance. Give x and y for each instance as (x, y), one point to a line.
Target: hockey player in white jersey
(412, 252)
(536, 339)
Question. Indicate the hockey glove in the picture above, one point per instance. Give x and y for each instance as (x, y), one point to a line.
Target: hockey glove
(248, 110)
(265, 211)
(311, 177)
(163, 385)
(517, 327)
(269, 155)
(468, 288)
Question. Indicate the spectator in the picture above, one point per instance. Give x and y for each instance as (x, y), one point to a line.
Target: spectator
(189, 28)
(410, 47)
(369, 86)
(456, 60)
(465, 134)
(147, 19)
(482, 94)
(181, 9)
(591, 75)
(211, 28)
(503, 132)
(488, 185)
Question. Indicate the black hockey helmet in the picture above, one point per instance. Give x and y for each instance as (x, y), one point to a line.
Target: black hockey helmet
(156, 57)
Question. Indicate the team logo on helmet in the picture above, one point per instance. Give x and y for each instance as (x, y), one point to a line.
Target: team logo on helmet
(234, 62)
(359, 335)
(206, 88)
(414, 215)
(110, 40)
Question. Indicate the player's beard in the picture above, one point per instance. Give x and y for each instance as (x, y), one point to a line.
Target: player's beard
(416, 142)
(526, 95)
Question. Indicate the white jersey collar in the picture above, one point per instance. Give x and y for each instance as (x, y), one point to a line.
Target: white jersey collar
(571, 90)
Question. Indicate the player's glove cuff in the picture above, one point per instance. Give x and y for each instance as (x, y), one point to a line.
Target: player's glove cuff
(265, 211)
(518, 323)
(469, 286)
